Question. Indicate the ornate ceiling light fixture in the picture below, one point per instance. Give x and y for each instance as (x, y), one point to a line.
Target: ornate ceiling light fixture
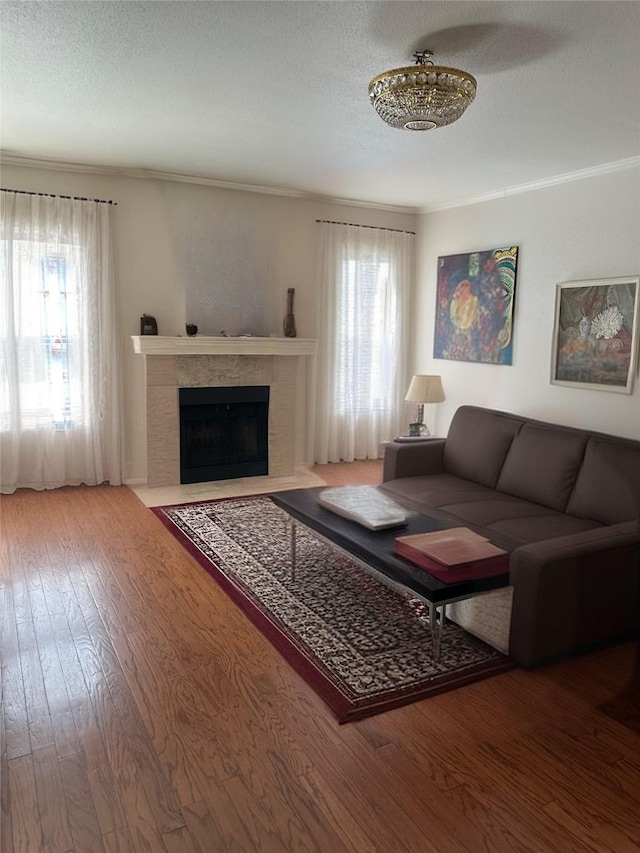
(422, 97)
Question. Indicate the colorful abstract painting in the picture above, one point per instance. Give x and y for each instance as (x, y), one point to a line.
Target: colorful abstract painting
(595, 334)
(474, 307)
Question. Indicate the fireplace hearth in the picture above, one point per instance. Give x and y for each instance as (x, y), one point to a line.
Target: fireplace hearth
(224, 432)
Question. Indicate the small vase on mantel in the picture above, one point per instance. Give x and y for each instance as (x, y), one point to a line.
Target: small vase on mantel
(290, 320)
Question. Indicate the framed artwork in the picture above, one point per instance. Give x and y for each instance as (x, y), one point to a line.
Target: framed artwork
(474, 306)
(595, 334)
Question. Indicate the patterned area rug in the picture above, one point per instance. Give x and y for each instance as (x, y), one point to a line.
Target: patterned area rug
(361, 646)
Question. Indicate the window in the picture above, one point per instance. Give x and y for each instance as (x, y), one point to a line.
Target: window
(48, 335)
(59, 389)
(364, 278)
(366, 345)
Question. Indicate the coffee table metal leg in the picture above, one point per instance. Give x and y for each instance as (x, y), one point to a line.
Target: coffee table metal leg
(293, 550)
(436, 623)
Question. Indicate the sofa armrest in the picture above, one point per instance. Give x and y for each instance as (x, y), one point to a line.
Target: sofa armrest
(413, 459)
(573, 592)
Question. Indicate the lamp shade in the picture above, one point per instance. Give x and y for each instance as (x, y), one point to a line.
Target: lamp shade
(425, 389)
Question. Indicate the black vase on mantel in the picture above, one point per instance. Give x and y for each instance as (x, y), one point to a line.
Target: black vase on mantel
(290, 320)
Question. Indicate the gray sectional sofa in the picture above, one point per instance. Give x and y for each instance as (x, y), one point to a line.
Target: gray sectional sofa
(564, 502)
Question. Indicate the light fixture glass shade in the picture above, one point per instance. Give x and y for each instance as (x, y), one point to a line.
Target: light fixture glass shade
(425, 389)
(423, 96)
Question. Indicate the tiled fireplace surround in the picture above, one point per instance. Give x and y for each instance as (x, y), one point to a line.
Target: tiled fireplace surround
(276, 364)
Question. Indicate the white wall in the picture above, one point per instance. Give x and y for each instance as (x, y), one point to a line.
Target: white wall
(580, 230)
(217, 257)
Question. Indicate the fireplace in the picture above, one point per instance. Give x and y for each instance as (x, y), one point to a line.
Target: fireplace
(172, 363)
(224, 432)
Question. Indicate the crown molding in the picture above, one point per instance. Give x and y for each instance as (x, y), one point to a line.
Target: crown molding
(154, 175)
(604, 169)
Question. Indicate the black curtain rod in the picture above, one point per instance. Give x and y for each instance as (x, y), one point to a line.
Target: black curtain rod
(375, 227)
(54, 195)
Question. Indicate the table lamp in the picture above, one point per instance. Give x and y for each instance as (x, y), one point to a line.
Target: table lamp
(423, 389)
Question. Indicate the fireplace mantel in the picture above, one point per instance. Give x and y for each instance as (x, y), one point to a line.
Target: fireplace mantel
(205, 345)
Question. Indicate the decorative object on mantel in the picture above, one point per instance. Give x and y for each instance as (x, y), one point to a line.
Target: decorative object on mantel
(289, 320)
(423, 389)
(192, 329)
(363, 648)
(595, 339)
(148, 325)
(422, 97)
(474, 306)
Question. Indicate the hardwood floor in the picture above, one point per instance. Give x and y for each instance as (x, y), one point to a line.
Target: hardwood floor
(368, 472)
(141, 711)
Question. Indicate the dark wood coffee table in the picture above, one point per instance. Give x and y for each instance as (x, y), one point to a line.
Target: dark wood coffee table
(373, 550)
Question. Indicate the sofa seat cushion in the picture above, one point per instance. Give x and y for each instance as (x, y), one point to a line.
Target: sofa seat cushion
(509, 524)
(493, 510)
(539, 528)
(425, 493)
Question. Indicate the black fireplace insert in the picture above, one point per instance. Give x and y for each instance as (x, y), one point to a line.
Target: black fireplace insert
(224, 433)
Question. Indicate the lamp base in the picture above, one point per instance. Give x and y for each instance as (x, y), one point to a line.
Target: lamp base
(418, 429)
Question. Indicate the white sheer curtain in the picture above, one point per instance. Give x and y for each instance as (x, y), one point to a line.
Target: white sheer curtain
(364, 278)
(59, 364)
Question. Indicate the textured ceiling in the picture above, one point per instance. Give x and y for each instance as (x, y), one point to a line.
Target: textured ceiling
(274, 94)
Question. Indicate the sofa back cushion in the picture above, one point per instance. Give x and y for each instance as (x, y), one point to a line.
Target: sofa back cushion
(608, 485)
(542, 465)
(477, 444)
